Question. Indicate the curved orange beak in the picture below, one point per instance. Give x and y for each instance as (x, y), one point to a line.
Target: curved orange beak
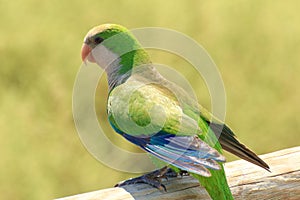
(86, 53)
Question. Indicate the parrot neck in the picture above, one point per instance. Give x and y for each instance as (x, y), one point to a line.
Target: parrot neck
(123, 66)
(121, 61)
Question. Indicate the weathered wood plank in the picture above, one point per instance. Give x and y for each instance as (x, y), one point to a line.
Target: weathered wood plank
(246, 182)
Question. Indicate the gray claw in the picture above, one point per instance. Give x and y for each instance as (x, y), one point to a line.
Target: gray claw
(152, 178)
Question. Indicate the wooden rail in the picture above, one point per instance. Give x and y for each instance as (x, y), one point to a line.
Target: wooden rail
(246, 182)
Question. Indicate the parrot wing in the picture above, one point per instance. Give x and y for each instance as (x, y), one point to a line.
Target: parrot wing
(185, 152)
(183, 117)
(225, 135)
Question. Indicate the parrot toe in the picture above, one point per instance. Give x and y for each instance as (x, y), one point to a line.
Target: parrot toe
(152, 178)
(171, 173)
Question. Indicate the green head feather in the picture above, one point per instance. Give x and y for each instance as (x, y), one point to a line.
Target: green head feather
(121, 42)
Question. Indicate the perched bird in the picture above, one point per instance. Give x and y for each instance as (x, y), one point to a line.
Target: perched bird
(159, 116)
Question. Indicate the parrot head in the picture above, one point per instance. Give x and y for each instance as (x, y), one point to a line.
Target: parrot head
(100, 35)
(116, 50)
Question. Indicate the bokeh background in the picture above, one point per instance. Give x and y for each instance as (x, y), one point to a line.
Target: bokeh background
(255, 44)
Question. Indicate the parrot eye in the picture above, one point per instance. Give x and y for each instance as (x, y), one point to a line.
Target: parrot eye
(98, 40)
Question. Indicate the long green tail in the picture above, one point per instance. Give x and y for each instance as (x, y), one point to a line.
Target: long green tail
(216, 185)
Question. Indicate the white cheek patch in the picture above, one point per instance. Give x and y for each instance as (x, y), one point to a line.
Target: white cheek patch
(103, 56)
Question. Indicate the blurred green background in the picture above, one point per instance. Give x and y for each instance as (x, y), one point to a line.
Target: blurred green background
(255, 44)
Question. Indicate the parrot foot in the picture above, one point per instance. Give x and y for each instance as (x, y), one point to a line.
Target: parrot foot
(154, 178)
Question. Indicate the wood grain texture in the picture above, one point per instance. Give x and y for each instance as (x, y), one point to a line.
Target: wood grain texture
(246, 182)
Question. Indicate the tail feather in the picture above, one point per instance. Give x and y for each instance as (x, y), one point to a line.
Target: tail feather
(229, 143)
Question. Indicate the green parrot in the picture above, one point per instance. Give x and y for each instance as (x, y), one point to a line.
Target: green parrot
(159, 116)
